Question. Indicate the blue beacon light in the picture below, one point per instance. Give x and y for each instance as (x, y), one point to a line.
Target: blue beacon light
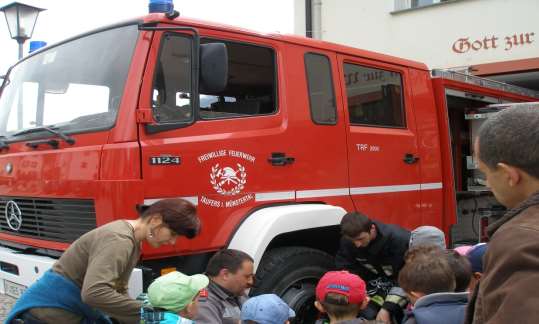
(35, 45)
(161, 6)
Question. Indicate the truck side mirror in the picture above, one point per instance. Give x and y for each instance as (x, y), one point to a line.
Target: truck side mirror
(213, 67)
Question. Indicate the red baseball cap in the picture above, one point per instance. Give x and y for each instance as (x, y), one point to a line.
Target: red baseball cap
(342, 283)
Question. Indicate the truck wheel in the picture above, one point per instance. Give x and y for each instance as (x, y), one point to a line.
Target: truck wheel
(292, 273)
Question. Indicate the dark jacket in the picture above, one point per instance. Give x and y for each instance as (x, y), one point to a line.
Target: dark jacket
(379, 263)
(358, 320)
(219, 306)
(382, 257)
(438, 308)
(508, 291)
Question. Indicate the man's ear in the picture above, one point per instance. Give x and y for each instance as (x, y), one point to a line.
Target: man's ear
(224, 273)
(477, 275)
(319, 306)
(512, 174)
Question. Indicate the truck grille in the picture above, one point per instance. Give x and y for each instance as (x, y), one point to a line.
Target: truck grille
(59, 220)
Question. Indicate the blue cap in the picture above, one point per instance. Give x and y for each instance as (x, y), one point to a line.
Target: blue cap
(475, 256)
(266, 309)
(35, 45)
(161, 6)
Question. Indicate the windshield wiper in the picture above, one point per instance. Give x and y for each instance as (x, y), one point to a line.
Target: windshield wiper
(67, 139)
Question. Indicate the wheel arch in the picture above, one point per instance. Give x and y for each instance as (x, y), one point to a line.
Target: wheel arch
(309, 225)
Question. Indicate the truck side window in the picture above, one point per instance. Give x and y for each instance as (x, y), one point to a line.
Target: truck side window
(171, 97)
(251, 88)
(374, 96)
(321, 91)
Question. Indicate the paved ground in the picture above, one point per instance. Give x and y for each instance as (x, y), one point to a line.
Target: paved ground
(5, 305)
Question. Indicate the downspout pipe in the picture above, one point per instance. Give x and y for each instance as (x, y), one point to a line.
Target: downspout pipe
(308, 19)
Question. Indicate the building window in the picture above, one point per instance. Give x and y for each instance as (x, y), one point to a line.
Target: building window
(251, 89)
(411, 4)
(321, 91)
(374, 96)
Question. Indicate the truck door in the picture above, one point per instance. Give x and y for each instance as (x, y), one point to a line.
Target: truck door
(217, 156)
(382, 145)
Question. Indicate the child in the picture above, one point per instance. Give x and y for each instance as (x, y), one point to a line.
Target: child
(429, 283)
(475, 256)
(461, 268)
(266, 309)
(427, 235)
(463, 249)
(421, 251)
(341, 295)
(173, 299)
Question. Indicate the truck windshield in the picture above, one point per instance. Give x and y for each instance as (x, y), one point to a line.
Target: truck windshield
(75, 86)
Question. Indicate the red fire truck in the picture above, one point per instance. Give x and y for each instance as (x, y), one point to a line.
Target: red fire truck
(273, 137)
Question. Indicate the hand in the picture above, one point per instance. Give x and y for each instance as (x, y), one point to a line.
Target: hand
(384, 316)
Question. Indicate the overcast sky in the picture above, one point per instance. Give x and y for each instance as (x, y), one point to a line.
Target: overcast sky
(65, 18)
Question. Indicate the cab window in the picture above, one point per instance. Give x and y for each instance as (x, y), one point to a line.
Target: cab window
(171, 97)
(251, 87)
(375, 96)
(321, 94)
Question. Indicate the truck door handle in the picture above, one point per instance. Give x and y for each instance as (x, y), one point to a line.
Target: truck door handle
(280, 159)
(410, 158)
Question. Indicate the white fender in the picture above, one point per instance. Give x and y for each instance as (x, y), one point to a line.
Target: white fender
(257, 231)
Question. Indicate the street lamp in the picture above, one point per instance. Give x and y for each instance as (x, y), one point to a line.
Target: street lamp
(21, 20)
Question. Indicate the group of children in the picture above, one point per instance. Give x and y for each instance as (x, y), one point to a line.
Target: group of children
(173, 299)
(435, 280)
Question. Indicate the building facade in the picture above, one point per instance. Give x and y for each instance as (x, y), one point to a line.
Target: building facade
(498, 39)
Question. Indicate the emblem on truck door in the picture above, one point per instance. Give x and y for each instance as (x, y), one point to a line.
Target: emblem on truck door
(228, 170)
(227, 181)
(13, 215)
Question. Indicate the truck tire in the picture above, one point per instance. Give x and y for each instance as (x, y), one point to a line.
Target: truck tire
(292, 273)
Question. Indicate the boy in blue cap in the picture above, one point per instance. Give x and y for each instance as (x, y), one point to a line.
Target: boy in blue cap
(266, 309)
(475, 256)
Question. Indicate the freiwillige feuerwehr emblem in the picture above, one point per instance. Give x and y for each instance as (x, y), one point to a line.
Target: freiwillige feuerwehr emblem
(228, 181)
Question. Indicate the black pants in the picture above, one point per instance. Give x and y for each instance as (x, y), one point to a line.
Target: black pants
(370, 311)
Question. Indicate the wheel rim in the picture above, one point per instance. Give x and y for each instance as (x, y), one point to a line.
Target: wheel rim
(300, 296)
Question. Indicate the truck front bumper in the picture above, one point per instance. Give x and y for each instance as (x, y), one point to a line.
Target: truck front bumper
(19, 270)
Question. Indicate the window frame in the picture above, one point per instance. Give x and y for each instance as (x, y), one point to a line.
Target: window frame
(309, 88)
(402, 96)
(86, 130)
(407, 5)
(275, 79)
(160, 126)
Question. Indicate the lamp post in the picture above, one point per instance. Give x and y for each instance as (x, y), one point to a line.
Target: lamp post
(21, 20)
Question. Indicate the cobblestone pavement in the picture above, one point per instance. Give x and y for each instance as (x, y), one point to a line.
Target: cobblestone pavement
(5, 305)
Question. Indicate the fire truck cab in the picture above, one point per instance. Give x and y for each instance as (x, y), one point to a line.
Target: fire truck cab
(273, 137)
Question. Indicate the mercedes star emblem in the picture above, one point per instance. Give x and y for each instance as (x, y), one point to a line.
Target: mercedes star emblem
(13, 215)
(8, 168)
